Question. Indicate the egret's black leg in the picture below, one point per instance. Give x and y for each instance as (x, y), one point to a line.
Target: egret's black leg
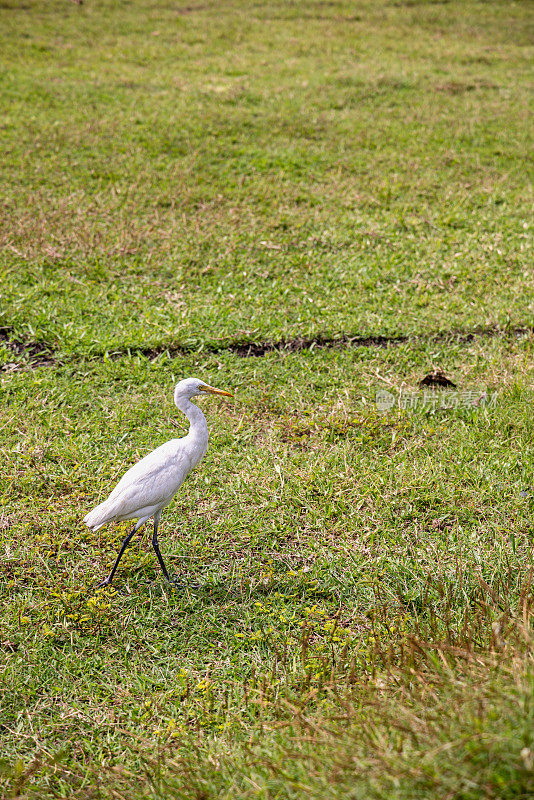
(156, 548)
(124, 545)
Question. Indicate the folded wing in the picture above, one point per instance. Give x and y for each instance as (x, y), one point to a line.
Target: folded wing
(146, 488)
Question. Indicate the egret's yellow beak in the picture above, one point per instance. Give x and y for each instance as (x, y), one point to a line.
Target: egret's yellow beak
(212, 390)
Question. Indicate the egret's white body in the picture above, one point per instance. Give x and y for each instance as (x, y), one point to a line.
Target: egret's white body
(149, 486)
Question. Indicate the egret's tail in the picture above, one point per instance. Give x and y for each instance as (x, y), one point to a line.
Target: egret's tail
(99, 516)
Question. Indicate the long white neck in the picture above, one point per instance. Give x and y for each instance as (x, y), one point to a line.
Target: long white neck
(198, 428)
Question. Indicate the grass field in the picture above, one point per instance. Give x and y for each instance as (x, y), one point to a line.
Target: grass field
(306, 203)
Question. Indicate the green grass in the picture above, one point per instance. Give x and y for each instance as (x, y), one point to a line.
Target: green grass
(185, 180)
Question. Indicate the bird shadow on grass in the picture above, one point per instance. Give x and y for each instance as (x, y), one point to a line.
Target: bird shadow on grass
(223, 592)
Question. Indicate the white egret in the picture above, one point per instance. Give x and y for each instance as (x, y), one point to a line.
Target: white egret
(151, 484)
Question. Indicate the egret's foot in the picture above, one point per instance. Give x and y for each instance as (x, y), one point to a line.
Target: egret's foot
(117, 589)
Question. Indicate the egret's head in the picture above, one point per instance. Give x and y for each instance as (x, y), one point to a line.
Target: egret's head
(190, 387)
